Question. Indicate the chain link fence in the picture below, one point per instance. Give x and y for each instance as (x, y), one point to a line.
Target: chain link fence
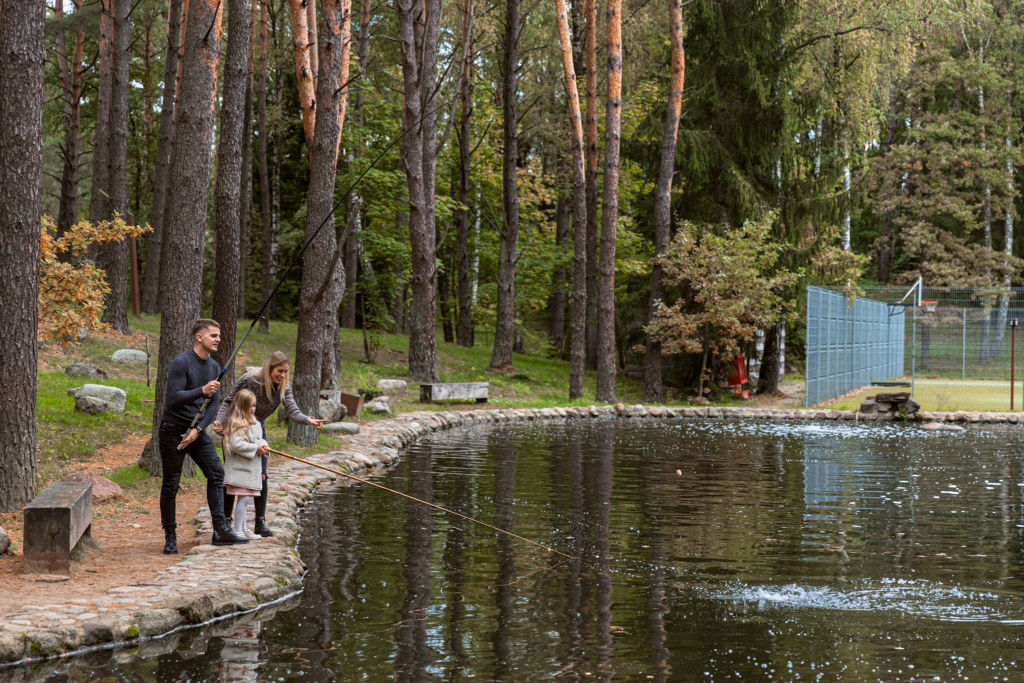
(959, 345)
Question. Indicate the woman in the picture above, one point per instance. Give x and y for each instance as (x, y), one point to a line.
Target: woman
(270, 386)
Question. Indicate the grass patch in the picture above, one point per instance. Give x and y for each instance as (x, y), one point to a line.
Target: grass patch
(66, 437)
(948, 395)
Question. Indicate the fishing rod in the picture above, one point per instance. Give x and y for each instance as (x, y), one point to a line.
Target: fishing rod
(436, 507)
(206, 400)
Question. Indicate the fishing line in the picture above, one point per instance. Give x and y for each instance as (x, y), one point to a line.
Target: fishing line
(206, 401)
(436, 507)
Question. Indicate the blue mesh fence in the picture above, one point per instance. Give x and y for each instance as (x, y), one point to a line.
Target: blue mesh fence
(850, 343)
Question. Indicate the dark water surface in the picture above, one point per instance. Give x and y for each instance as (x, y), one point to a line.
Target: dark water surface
(708, 551)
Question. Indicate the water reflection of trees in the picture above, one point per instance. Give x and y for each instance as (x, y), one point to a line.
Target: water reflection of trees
(504, 592)
(413, 655)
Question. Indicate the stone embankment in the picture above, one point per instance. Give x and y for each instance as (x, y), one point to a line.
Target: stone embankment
(212, 582)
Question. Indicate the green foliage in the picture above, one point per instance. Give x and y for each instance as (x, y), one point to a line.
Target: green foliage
(733, 291)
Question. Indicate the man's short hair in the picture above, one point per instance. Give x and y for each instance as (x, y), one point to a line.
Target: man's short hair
(202, 325)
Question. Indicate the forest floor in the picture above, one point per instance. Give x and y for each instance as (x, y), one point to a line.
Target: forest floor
(127, 527)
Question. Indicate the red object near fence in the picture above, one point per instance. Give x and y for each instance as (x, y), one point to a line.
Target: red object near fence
(739, 366)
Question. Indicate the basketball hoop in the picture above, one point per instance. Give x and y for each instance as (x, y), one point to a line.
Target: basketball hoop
(929, 305)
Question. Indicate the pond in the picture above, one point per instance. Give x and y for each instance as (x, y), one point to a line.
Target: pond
(702, 551)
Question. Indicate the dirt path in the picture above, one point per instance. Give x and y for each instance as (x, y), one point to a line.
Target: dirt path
(127, 529)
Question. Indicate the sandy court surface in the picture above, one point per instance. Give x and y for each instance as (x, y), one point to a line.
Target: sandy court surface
(129, 535)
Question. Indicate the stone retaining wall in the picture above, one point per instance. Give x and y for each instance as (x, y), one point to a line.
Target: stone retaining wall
(211, 582)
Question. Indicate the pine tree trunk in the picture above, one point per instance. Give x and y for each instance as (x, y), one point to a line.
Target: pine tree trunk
(185, 229)
(464, 330)
(578, 297)
(768, 375)
(419, 28)
(606, 356)
(112, 257)
(303, 69)
(505, 323)
(590, 48)
(556, 330)
(151, 288)
(22, 57)
(653, 390)
(354, 229)
(269, 260)
(98, 210)
(229, 183)
(322, 264)
(245, 193)
(71, 84)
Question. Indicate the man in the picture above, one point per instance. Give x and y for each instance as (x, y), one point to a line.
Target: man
(191, 378)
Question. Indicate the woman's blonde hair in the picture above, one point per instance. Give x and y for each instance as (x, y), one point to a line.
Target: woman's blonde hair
(276, 359)
(240, 415)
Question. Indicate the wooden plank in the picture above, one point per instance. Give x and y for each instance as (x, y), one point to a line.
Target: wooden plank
(454, 391)
(54, 522)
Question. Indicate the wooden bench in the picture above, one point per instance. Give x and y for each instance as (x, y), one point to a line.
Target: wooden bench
(54, 522)
(454, 391)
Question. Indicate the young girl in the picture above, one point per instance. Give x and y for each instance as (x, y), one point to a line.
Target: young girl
(243, 441)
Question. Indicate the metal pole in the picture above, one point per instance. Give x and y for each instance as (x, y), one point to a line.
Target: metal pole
(913, 354)
(963, 350)
(1013, 356)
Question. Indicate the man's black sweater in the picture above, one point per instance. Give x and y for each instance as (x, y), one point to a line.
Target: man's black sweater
(185, 379)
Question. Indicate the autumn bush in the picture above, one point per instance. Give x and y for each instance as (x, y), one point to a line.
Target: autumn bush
(71, 290)
(731, 289)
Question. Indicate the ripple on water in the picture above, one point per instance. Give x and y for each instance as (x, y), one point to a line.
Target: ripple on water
(911, 597)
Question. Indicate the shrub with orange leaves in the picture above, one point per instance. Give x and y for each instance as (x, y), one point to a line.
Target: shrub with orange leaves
(71, 294)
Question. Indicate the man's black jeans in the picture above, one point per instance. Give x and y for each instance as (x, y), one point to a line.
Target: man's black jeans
(204, 453)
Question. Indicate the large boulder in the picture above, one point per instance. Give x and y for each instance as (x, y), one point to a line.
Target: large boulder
(129, 356)
(85, 370)
(379, 405)
(332, 410)
(90, 405)
(5, 541)
(114, 398)
(342, 428)
(101, 488)
(390, 386)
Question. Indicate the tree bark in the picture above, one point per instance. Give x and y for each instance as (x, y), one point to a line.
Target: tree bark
(419, 28)
(245, 194)
(653, 390)
(590, 48)
(71, 84)
(464, 329)
(578, 297)
(505, 322)
(22, 57)
(98, 210)
(229, 183)
(322, 263)
(563, 214)
(768, 375)
(185, 229)
(314, 59)
(609, 218)
(884, 241)
(112, 257)
(353, 244)
(269, 270)
(151, 288)
(303, 69)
